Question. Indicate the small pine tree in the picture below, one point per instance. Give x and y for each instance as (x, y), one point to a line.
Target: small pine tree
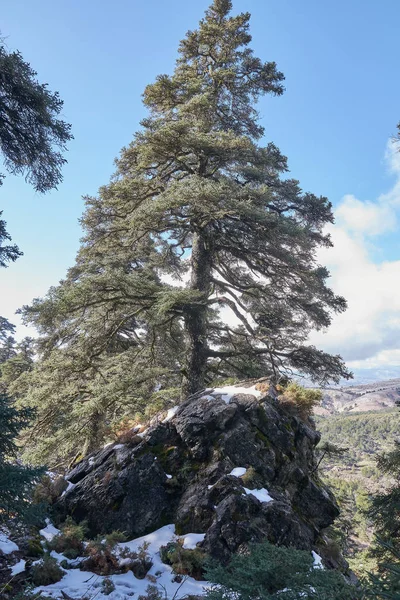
(16, 480)
(269, 572)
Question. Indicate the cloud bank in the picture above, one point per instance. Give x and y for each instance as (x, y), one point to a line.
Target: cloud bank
(367, 335)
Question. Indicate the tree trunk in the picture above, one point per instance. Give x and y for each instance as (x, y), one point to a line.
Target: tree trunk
(93, 436)
(196, 318)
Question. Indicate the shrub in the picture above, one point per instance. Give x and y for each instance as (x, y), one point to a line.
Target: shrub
(103, 560)
(270, 572)
(46, 572)
(183, 561)
(251, 478)
(34, 548)
(300, 401)
(107, 586)
(152, 593)
(70, 541)
(48, 490)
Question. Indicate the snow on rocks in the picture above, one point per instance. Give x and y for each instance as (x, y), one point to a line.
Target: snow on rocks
(69, 488)
(317, 561)
(171, 412)
(19, 567)
(49, 532)
(6, 545)
(238, 472)
(262, 495)
(192, 539)
(229, 391)
(77, 584)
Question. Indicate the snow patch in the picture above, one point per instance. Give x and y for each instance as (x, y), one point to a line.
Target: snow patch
(6, 545)
(168, 476)
(119, 446)
(18, 568)
(171, 412)
(77, 584)
(69, 488)
(238, 472)
(192, 539)
(317, 561)
(49, 532)
(229, 391)
(262, 495)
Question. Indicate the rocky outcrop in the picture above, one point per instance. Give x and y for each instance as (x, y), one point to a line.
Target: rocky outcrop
(230, 463)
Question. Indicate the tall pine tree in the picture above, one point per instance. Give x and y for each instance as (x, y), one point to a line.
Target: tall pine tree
(199, 258)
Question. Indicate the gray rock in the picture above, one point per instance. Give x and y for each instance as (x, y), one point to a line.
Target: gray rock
(127, 487)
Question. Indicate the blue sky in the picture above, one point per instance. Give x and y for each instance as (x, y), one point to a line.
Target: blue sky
(340, 108)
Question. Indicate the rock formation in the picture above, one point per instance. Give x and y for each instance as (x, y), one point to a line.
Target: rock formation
(230, 463)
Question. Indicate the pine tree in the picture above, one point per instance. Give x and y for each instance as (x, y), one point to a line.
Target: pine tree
(270, 572)
(30, 131)
(16, 480)
(385, 514)
(199, 258)
(219, 210)
(31, 137)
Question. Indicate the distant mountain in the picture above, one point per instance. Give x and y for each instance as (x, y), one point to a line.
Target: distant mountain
(378, 395)
(373, 375)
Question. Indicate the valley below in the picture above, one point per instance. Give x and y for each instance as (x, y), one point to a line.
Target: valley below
(365, 421)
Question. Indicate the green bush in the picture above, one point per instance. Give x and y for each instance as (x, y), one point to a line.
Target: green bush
(300, 401)
(70, 541)
(183, 561)
(46, 572)
(269, 572)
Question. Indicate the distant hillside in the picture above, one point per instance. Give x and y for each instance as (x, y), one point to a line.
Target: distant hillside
(354, 476)
(380, 395)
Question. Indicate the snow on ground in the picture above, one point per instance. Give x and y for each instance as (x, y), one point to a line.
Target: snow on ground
(317, 561)
(227, 392)
(77, 584)
(171, 412)
(18, 568)
(262, 495)
(6, 545)
(49, 531)
(238, 472)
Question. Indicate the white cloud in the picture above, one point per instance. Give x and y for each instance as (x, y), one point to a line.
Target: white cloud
(368, 333)
(370, 218)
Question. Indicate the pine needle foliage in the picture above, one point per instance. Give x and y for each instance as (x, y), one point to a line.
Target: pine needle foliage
(32, 137)
(199, 257)
(267, 572)
(16, 480)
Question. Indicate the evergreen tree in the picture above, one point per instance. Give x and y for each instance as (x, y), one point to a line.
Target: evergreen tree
(7, 252)
(268, 571)
(16, 480)
(30, 132)
(15, 359)
(196, 202)
(31, 136)
(385, 513)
